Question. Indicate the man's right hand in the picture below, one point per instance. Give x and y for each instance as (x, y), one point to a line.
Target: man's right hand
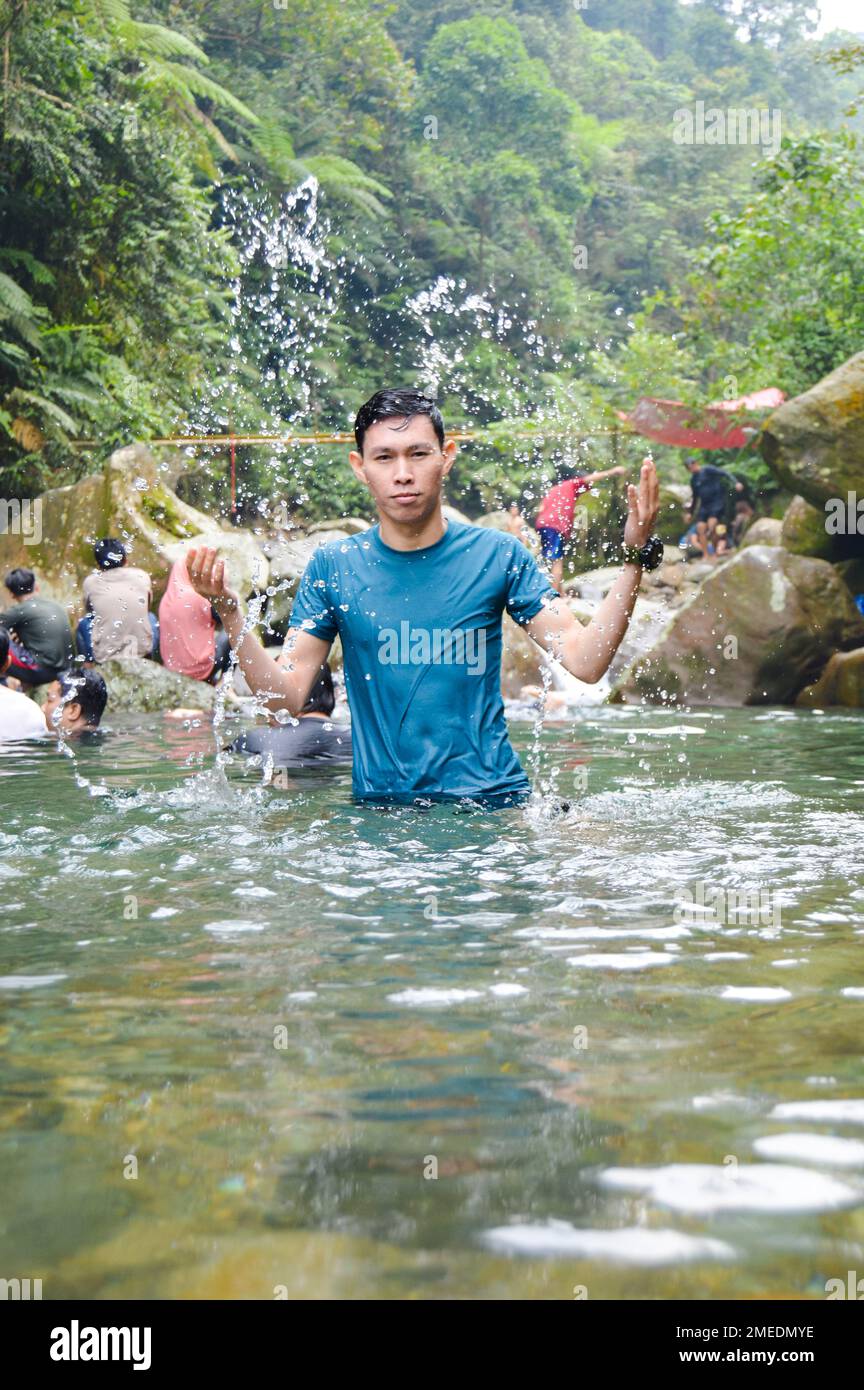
(208, 575)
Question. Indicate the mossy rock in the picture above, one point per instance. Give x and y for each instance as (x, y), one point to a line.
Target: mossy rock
(765, 530)
(803, 532)
(132, 500)
(814, 444)
(760, 628)
(138, 686)
(841, 683)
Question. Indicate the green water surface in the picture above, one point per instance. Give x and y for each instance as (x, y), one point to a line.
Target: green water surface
(198, 981)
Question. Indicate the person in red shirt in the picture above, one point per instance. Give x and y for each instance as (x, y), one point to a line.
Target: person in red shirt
(554, 520)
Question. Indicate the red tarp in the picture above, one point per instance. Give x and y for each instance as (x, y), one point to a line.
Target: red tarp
(689, 427)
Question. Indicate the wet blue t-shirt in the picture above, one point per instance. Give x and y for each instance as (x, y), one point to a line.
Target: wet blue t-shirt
(421, 637)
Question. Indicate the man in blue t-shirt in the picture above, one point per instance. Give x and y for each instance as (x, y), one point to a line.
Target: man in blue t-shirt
(418, 601)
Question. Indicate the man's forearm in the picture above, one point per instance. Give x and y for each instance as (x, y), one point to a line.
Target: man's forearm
(588, 651)
(263, 676)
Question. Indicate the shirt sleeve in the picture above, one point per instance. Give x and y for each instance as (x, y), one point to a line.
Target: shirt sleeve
(313, 609)
(7, 619)
(527, 585)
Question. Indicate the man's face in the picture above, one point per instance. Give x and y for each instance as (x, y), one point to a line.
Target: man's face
(404, 466)
(69, 713)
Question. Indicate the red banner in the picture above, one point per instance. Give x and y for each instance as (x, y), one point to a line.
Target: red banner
(721, 425)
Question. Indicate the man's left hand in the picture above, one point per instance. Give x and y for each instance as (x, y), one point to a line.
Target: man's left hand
(643, 504)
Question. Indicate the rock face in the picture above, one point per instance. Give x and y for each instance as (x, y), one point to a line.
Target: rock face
(765, 530)
(815, 443)
(288, 560)
(137, 686)
(756, 631)
(841, 683)
(131, 500)
(803, 532)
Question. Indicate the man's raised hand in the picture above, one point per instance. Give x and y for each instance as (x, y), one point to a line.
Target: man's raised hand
(643, 504)
(208, 575)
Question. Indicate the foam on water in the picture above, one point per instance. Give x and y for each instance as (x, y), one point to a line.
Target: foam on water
(702, 1189)
(812, 1148)
(633, 1245)
(841, 1112)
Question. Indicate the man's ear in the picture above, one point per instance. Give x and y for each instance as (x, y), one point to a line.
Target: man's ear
(356, 462)
(450, 450)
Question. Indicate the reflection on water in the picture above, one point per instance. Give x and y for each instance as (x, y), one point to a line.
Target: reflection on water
(431, 1053)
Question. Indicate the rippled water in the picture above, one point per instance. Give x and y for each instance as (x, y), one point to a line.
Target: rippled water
(319, 1005)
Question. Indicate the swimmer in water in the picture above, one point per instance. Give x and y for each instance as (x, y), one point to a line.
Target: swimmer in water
(312, 740)
(75, 702)
(418, 601)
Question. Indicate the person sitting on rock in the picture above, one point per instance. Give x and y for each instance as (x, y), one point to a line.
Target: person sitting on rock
(712, 489)
(192, 640)
(118, 621)
(312, 740)
(75, 702)
(20, 717)
(41, 640)
(554, 521)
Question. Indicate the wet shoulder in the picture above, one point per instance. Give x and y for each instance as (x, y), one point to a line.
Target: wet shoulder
(344, 550)
(486, 544)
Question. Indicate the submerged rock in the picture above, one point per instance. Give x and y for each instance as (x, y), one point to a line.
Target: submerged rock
(756, 631)
(138, 686)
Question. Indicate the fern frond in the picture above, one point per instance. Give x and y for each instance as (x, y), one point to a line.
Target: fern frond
(40, 272)
(188, 82)
(160, 41)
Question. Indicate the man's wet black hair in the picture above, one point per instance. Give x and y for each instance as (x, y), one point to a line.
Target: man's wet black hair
(692, 459)
(393, 405)
(110, 554)
(20, 582)
(322, 696)
(87, 689)
(4, 647)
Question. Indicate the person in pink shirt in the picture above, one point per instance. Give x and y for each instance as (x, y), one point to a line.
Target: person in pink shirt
(189, 641)
(554, 521)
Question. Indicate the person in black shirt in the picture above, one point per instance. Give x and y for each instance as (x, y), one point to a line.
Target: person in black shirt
(712, 489)
(312, 741)
(42, 639)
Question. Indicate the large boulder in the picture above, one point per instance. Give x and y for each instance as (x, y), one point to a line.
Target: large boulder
(288, 560)
(132, 500)
(765, 530)
(759, 628)
(803, 531)
(841, 683)
(138, 686)
(815, 442)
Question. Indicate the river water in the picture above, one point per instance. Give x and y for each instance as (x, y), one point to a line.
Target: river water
(261, 1041)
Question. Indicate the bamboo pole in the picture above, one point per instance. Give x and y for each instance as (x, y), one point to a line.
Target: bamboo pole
(262, 440)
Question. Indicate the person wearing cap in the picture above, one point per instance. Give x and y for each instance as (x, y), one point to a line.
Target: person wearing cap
(117, 595)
